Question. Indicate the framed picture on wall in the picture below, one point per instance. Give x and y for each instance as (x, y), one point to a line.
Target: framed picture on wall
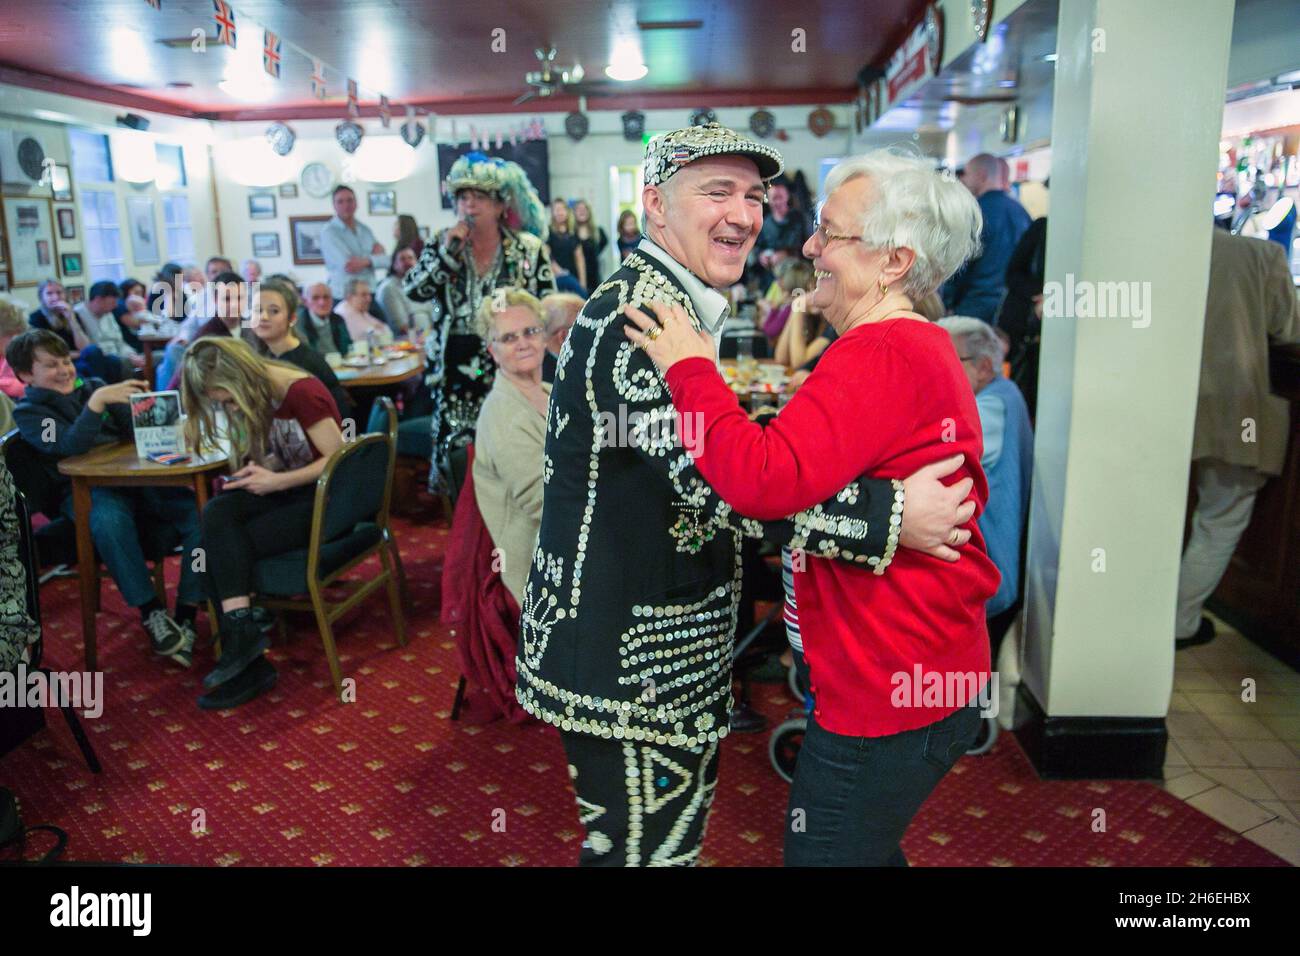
(144, 231)
(304, 233)
(61, 182)
(288, 190)
(261, 205)
(29, 237)
(382, 202)
(67, 222)
(74, 293)
(266, 245)
(71, 262)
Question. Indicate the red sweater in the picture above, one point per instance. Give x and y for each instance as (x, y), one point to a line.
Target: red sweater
(886, 399)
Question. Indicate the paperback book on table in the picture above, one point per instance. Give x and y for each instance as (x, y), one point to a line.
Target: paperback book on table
(156, 419)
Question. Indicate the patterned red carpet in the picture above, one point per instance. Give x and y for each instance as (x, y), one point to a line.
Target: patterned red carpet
(295, 778)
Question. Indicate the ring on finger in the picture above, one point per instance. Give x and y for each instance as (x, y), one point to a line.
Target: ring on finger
(654, 333)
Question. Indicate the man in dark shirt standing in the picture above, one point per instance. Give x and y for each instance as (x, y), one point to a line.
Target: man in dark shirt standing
(977, 289)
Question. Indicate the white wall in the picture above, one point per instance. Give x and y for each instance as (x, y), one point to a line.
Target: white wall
(49, 115)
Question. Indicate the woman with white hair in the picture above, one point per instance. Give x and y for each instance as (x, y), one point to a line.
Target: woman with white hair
(896, 660)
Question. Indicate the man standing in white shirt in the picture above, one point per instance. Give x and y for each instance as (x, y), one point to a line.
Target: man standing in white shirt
(349, 247)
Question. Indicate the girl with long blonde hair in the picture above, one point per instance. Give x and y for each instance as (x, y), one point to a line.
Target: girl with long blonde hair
(283, 428)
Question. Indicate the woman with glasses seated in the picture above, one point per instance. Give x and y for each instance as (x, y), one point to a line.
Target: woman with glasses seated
(499, 510)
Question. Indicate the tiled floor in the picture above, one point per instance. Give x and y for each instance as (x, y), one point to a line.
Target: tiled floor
(1237, 760)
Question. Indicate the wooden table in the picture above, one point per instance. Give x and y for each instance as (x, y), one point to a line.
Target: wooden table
(148, 343)
(117, 465)
(393, 372)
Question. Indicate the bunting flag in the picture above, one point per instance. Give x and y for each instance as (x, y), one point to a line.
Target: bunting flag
(385, 114)
(271, 53)
(318, 79)
(225, 18)
(156, 4)
(353, 109)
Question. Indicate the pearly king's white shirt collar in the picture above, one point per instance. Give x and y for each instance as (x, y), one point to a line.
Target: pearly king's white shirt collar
(710, 305)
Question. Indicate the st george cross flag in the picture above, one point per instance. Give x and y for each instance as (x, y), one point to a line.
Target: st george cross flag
(385, 114)
(318, 79)
(271, 53)
(225, 18)
(353, 109)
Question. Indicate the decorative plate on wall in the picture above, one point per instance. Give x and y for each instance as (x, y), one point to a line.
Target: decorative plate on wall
(317, 180)
(821, 121)
(349, 136)
(762, 123)
(281, 138)
(576, 125)
(633, 125)
(703, 117)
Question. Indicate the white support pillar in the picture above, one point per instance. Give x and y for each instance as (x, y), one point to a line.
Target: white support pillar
(1138, 103)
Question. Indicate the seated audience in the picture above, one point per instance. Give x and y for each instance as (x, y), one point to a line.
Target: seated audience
(12, 323)
(1007, 461)
(801, 340)
(229, 297)
(97, 312)
(320, 326)
(405, 316)
(251, 270)
(511, 432)
(284, 426)
(274, 327)
(85, 414)
(161, 292)
(214, 267)
(57, 315)
(355, 309)
(131, 310)
(794, 278)
(561, 310)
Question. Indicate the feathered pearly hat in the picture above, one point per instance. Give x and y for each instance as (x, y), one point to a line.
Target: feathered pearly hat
(491, 174)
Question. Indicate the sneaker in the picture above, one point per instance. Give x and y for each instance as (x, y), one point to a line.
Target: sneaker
(164, 633)
(185, 655)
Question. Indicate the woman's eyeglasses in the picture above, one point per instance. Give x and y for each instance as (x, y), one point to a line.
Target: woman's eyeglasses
(510, 338)
(819, 229)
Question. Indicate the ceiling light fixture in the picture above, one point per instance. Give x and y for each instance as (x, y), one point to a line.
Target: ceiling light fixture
(626, 64)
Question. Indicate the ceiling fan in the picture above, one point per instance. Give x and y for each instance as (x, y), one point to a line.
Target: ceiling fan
(549, 79)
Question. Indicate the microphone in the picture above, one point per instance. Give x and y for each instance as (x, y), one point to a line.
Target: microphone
(455, 244)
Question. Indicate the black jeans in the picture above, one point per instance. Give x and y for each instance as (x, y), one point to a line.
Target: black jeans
(240, 527)
(853, 797)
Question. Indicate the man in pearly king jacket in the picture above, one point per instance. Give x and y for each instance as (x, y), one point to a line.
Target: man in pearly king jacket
(629, 613)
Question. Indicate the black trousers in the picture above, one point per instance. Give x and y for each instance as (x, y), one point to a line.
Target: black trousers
(240, 527)
(642, 804)
(853, 797)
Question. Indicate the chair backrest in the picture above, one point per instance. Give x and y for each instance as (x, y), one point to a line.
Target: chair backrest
(458, 464)
(390, 416)
(728, 346)
(353, 488)
(28, 469)
(31, 565)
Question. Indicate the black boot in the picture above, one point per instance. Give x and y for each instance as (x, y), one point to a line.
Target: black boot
(241, 642)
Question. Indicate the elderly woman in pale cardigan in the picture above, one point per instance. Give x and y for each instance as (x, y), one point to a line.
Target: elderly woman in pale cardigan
(511, 432)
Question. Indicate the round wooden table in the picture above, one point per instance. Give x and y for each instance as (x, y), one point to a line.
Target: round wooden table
(119, 465)
(393, 372)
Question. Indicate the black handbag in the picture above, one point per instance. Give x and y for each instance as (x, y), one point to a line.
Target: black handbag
(13, 835)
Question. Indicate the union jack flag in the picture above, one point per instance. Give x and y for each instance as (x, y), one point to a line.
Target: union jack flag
(318, 79)
(225, 18)
(156, 4)
(353, 109)
(271, 53)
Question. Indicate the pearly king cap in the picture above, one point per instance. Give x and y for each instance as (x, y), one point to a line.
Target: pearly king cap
(669, 152)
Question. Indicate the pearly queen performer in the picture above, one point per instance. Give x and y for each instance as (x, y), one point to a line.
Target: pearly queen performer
(498, 242)
(629, 613)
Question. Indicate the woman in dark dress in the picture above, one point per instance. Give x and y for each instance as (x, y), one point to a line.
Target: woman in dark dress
(499, 241)
(591, 239)
(629, 234)
(564, 245)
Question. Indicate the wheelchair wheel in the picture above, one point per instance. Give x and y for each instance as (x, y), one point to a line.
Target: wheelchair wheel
(796, 688)
(783, 746)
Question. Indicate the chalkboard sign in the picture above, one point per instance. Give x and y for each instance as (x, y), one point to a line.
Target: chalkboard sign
(532, 155)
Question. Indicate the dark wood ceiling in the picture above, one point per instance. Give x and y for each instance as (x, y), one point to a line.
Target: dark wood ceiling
(440, 55)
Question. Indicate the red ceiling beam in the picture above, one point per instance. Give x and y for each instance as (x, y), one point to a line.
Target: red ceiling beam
(114, 96)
